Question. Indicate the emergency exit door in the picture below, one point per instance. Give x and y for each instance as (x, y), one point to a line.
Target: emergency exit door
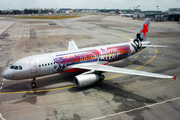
(33, 66)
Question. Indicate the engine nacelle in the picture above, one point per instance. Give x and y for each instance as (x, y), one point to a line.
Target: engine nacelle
(87, 79)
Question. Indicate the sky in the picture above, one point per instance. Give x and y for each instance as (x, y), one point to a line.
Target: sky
(90, 4)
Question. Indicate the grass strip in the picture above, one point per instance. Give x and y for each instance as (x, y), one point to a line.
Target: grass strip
(46, 17)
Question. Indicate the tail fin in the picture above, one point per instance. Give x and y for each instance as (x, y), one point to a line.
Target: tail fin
(142, 33)
(72, 45)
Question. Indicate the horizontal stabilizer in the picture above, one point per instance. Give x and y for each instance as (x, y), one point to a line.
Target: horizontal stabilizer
(153, 46)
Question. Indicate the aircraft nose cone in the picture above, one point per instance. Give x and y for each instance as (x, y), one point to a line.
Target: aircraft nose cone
(5, 74)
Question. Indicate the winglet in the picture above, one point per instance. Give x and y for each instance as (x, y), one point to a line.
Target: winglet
(175, 77)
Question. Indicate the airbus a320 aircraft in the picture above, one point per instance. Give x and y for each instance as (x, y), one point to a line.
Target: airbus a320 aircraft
(92, 59)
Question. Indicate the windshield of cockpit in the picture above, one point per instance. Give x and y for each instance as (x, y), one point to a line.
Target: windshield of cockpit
(16, 67)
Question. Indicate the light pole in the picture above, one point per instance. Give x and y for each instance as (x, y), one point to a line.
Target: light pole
(157, 8)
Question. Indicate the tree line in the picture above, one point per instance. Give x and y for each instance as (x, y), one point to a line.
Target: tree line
(25, 11)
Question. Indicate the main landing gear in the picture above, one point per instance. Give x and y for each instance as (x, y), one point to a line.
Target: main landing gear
(33, 84)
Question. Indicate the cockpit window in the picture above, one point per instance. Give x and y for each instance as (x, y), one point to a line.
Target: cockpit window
(20, 67)
(16, 67)
(12, 67)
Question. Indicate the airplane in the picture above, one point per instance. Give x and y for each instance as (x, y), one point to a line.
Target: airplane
(92, 60)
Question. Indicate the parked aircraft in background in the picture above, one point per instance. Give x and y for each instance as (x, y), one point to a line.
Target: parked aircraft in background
(93, 59)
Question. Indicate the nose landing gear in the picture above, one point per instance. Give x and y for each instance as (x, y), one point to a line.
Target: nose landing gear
(33, 84)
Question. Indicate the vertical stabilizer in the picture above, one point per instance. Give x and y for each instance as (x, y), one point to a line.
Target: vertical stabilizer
(141, 36)
(143, 31)
(72, 45)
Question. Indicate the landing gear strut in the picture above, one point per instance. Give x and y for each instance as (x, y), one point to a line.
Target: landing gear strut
(33, 84)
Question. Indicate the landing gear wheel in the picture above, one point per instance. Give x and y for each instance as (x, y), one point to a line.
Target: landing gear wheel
(33, 84)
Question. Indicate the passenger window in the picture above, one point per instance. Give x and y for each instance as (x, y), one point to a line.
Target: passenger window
(48, 64)
(51, 63)
(12, 67)
(20, 67)
(45, 64)
(16, 68)
(39, 65)
(42, 64)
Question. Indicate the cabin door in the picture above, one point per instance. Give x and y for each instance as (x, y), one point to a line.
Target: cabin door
(33, 66)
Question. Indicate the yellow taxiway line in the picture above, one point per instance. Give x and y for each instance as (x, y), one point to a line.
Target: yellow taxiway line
(35, 91)
(135, 68)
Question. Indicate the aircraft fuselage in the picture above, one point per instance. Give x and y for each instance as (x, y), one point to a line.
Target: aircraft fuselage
(46, 64)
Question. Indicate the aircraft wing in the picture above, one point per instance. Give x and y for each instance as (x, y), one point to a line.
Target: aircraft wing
(105, 68)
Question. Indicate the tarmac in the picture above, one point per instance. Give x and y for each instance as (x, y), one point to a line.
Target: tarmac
(119, 96)
(4, 25)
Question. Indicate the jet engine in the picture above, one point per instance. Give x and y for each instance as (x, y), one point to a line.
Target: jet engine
(87, 79)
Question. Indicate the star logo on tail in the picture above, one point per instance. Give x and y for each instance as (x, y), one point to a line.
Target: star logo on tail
(145, 29)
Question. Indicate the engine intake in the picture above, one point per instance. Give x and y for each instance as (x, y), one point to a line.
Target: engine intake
(87, 79)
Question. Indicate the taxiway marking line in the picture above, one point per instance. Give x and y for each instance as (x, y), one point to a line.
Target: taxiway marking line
(75, 85)
(135, 68)
(159, 103)
(2, 117)
(2, 83)
(10, 35)
(15, 46)
(136, 56)
(148, 61)
(131, 62)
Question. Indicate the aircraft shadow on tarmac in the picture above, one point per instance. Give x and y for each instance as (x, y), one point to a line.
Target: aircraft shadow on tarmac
(112, 88)
(120, 95)
(115, 89)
